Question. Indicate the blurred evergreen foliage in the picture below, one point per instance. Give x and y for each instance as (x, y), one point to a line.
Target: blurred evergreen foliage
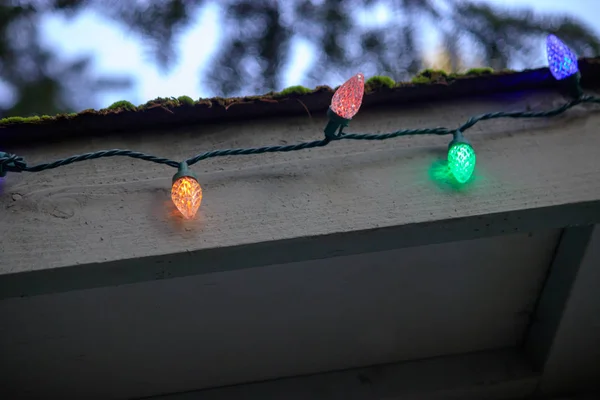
(258, 37)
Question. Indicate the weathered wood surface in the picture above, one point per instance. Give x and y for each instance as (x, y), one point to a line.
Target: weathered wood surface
(361, 196)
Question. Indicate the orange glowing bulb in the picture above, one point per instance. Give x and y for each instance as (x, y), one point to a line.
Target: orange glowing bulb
(186, 192)
(347, 99)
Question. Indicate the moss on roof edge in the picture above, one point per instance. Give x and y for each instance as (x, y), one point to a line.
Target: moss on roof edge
(375, 83)
(427, 85)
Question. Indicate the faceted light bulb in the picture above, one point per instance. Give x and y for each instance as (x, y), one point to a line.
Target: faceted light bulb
(347, 99)
(186, 194)
(561, 60)
(461, 161)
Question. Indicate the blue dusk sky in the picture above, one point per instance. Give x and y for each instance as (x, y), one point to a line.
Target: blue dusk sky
(117, 51)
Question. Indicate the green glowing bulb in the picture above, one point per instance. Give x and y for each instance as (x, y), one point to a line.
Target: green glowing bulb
(461, 160)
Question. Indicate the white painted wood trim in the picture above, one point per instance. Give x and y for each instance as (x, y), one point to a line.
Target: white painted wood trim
(110, 222)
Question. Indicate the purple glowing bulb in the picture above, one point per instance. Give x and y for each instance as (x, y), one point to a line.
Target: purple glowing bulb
(561, 60)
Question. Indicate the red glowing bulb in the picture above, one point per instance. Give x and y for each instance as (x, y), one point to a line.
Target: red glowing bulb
(347, 99)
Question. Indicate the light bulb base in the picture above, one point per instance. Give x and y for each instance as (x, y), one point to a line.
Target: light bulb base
(4, 164)
(334, 123)
(572, 85)
(458, 139)
(10, 163)
(182, 172)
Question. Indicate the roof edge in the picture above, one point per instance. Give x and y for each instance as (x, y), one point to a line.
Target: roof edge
(163, 113)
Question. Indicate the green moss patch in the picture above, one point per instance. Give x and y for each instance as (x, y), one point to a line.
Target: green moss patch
(291, 91)
(379, 82)
(36, 119)
(480, 71)
(20, 120)
(430, 76)
(169, 102)
(185, 100)
(122, 105)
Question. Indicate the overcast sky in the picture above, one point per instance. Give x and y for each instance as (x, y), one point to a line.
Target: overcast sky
(116, 51)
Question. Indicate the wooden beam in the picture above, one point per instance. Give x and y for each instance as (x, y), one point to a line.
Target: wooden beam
(280, 252)
(501, 374)
(279, 321)
(571, 360)
(110, 222)
(556, 292)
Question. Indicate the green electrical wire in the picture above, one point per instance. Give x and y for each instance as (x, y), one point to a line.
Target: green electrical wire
(14, 163)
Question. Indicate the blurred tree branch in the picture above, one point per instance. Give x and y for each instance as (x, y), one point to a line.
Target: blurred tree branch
(42, 83)
(258, 39)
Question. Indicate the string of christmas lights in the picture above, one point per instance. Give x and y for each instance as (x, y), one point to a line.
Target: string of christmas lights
(186, 192)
